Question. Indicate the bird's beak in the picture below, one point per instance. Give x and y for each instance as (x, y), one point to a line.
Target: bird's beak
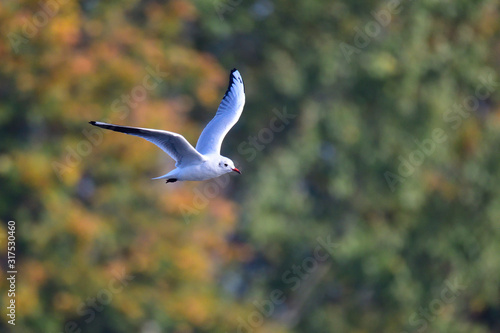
(236, 170)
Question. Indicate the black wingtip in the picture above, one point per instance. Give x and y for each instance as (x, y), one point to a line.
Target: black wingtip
(92, 122)
(231, 80)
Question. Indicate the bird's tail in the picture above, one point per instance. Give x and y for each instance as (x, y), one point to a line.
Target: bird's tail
(161, 177)
(171, 174)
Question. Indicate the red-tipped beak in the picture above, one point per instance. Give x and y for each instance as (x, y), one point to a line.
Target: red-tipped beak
(236, 170)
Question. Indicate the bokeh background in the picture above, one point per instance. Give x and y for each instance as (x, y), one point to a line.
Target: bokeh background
(369, 145)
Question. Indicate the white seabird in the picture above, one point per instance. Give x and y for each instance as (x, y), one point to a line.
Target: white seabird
(204, 162)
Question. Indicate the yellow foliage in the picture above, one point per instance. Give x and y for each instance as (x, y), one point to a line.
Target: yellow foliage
(34, 170)
(27, 298)
(65, 29)
(193, 263)
(83, 224)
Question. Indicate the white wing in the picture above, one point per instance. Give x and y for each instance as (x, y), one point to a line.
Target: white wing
(227, 115)
(171, 143)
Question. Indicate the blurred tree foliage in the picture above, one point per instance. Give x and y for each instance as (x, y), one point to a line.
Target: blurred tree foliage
(371, 125)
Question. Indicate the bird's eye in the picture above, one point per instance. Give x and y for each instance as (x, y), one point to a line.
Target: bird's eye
(225, 164)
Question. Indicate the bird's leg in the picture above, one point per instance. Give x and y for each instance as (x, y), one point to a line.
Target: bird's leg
(171, 180)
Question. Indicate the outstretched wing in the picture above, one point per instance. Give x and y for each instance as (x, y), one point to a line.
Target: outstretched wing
(227, 115)
(171, 143)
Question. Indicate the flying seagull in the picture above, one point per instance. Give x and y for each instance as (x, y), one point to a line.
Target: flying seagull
(204, 162)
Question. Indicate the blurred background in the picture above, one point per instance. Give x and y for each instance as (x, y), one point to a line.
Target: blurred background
(369, 199)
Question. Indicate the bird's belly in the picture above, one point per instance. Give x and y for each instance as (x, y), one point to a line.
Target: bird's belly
(197, 172)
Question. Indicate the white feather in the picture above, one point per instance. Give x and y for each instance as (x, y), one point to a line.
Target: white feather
(227, 115)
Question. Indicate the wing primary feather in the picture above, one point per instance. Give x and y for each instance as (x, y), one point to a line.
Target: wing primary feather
(117, 128)
(232, 79)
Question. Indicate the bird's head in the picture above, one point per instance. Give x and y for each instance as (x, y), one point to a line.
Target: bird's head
(227, 165)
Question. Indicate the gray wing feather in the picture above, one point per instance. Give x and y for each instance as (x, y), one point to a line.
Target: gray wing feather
(171, 143)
